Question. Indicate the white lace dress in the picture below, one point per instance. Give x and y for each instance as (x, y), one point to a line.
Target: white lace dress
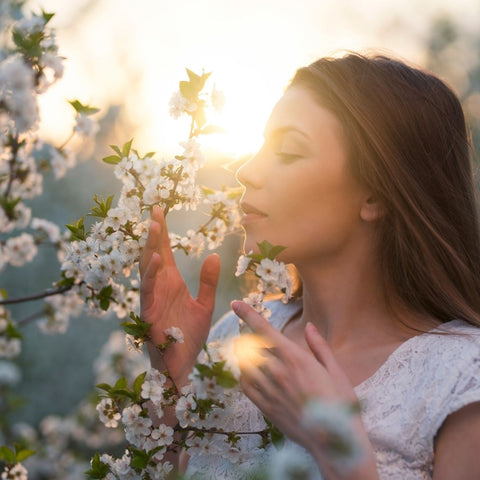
(404, 402)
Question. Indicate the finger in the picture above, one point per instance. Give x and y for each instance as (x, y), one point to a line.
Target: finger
(147, 285)
(208, 282)
(319, 346)
(258, 324)
(266, 393)
(150, 247)
(163, 238)
(253, 378)
(323, 353)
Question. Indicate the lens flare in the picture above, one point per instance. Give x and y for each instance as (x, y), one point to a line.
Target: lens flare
(249, 350)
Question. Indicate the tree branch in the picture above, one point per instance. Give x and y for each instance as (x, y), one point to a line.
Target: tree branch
(38, 296)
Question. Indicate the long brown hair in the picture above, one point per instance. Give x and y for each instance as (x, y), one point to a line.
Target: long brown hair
(408, 144)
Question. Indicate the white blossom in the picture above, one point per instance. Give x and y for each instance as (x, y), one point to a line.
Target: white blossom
(178, 105)
(49, 228)
(242, 264)
(86, 125)
(17, 472)
(176, 334)
(108, 413)
(9, 347)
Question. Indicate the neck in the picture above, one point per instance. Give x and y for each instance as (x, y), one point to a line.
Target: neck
(345, 300)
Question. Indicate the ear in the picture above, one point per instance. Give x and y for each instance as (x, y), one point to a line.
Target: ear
(372, 209)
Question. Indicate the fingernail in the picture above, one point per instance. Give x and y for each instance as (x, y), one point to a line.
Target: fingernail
(311, 327)
(236, 305)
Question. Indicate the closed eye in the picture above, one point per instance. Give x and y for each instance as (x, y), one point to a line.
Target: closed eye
(288, 157)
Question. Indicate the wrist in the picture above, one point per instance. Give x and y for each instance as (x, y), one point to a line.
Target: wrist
(340, 445)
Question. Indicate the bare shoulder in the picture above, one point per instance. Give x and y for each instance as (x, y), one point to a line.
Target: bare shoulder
(456, 448)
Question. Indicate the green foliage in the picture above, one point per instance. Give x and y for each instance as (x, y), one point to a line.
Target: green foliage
(191, 89)
(276, 436)
(28, 45)
(267, 250)
(120, 391)
(83, 109)
(138, 328)
(102, 208)
(124, 152)
(9, 205)
(78, 230)
(12, 332)
(105, 297)
(18, 455)
(98, 469)
(217, 370)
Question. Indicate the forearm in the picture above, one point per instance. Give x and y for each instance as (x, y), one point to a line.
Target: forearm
(168, 416)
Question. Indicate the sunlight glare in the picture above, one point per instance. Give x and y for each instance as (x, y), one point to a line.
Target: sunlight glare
(249, 350)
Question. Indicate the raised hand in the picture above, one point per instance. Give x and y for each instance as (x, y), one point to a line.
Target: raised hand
(166, 301)
(288, 377)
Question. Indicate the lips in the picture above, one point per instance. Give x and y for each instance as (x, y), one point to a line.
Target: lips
(248, 209)
(251, 214)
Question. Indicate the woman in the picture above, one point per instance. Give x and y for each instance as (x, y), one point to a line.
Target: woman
(365, 176)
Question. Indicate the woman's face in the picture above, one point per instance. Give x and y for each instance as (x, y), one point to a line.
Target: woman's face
(298, 189)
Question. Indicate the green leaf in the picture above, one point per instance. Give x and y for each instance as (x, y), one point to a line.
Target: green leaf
(116, 149)
(29, 45)
(226, 379)
(278, 439)
(112, 159)
(123, 392)
(267, 250)
(139, 460)
(264, 248)
(137, 384)
(121, 383)
(65, 281)
(12, 332)
(7, 455)
(193, 77)
(204, 370)
(47, 16)
(126, 148)
(104, 304)
(99, 469)
(275, 251)
(103, 206)
(83, 109)
(104, 386)
(23, 454)
(78, 230)
(187, 91)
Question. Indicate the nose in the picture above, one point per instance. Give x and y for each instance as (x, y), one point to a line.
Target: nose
(252, 173)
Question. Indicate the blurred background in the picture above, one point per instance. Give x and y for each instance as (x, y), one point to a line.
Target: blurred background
(127, 59)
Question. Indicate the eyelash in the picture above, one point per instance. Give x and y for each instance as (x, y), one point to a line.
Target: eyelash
(288, 157)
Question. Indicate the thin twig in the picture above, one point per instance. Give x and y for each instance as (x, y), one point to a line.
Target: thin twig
(64, 144)
(38, 296)
(31, 318)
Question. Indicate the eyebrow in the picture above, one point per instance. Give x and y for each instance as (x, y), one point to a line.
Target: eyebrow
(286, 129)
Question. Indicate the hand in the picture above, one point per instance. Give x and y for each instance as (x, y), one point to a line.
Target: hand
(288, 376)
(165, 302)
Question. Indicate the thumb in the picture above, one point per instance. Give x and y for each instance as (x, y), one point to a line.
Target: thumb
(208, 282)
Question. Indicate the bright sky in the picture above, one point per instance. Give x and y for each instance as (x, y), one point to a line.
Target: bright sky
(135, 52)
